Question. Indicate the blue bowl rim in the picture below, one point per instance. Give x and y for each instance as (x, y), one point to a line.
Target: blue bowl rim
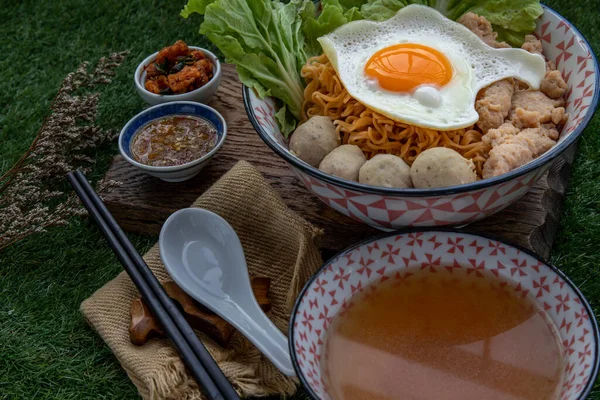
(174, 168)
(539, 162)
(595, 367)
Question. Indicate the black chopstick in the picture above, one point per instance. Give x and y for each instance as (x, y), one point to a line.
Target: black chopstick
(155, 306)
(203, 355)
(204, 369)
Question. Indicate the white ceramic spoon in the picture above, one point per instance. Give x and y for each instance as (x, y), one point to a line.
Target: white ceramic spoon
(204, 256)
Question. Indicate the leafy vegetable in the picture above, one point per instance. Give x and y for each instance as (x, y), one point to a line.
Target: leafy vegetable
(333, 15)
(163, 68)
(379, 10)
(195, 6)
(285, 123)
(512, 19)
(348, 4)
(264, 39)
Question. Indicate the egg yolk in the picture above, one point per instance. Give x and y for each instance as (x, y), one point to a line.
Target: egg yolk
(403, 67)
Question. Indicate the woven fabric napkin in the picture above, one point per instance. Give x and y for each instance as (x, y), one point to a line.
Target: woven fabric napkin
(278, 244)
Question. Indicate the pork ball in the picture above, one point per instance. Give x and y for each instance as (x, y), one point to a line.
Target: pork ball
(441, 167)
(385, 170)
(313, 140)
(344, 162)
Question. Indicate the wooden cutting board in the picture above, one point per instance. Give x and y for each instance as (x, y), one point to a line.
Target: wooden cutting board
(141, 203)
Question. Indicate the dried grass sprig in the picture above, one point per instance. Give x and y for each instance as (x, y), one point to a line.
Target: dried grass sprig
(34, 194)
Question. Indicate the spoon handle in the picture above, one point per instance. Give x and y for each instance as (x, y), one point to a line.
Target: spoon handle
(253, 323)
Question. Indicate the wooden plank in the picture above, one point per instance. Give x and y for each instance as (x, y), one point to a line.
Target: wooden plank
(142, 203)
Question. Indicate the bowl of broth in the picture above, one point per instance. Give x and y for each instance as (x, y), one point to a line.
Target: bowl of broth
(442, 315)
(173, 141)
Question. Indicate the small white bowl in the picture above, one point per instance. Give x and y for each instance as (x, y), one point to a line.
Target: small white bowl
(175, 173)
(201, 95)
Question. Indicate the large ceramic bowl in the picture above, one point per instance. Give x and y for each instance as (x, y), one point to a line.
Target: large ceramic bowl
(455, 254)
(386, 208)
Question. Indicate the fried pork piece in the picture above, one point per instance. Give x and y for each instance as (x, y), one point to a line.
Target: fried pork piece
(533, 139)
(205, 67)
(531, 108)
(158, 85)
(533, 45)
(520, 85)
(482, 28)
(525, 119)
(495, 137)
(197, 54)
(152, 71)
(172, 52)
(560, 116)
(180, 81)
(549, 130)
(494, 103)
(553, 85)
(534, 119)
(505, 158)
(511, 150)
(152, 86)
(507, 131)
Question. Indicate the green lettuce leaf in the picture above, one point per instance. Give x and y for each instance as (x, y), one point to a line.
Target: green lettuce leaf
(285, 120)
(380, 10)
(264, 39)
(353, 14)
(348, 4)
(195, 6)
(509, 36)
(333, 14)
(512, 19)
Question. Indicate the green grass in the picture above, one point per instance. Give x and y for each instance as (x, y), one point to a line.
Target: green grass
(47, 351)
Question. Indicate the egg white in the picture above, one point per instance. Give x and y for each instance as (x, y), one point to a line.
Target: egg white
(475, 66)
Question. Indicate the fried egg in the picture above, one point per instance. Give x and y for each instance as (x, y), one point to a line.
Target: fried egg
(422, 68)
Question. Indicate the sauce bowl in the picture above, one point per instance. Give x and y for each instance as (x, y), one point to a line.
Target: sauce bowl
(391, 257)
(175, 173)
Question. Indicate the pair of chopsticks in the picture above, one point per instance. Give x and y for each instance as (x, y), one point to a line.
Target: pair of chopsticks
(203, 368)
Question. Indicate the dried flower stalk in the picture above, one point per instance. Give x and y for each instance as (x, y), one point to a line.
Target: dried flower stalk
(34, 193)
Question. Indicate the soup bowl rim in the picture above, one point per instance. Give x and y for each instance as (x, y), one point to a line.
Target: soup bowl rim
(595, 368)
(540, 162)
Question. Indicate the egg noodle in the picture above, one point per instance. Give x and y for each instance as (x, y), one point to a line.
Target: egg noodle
(373, 132)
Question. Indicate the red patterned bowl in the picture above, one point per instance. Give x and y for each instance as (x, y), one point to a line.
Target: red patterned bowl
(457, 254)
(386, 208)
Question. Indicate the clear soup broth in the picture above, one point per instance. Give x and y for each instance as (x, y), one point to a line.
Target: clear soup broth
(442, 336)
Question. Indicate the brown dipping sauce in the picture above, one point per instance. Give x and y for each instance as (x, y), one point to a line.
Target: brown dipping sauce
(173, 141)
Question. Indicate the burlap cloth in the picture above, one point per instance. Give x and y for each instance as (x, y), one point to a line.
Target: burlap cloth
(278, 244)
